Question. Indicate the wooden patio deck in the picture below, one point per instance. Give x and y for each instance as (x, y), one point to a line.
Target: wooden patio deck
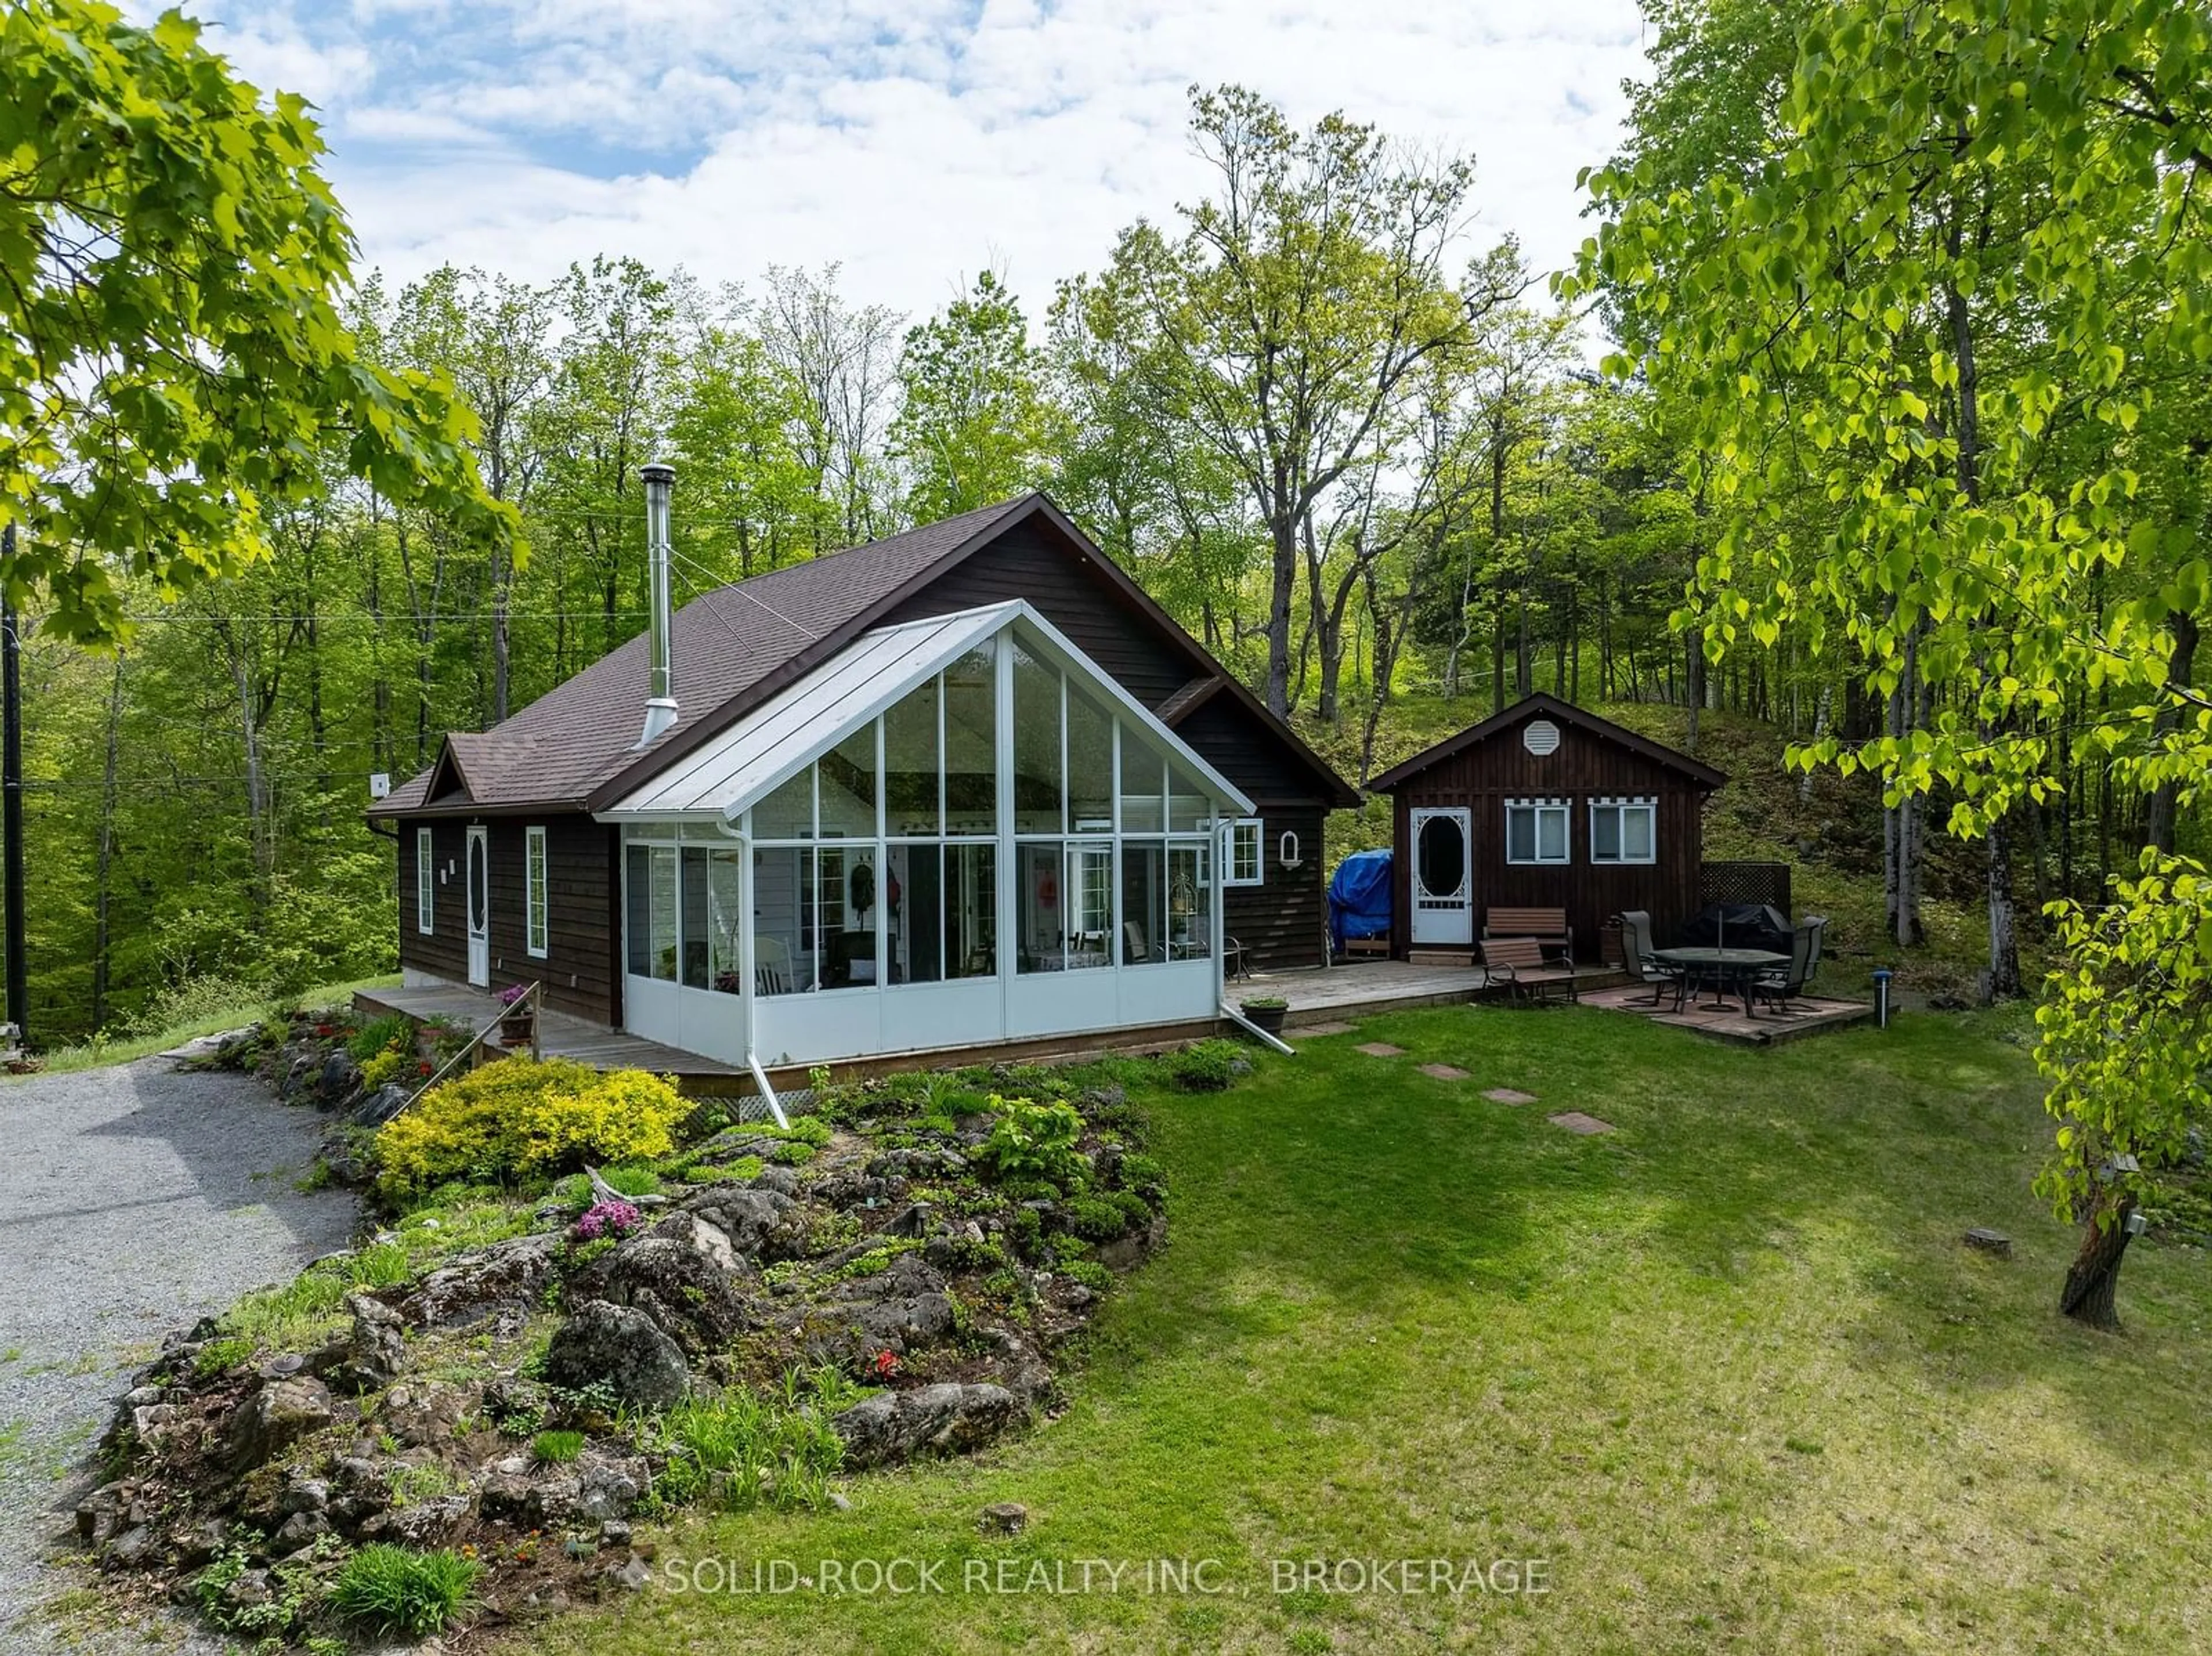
(1340, 994)
(1725, 1020)
(560, 1034)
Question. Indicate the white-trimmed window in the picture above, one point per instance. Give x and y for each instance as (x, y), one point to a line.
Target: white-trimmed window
(533, 891)
(1242, 860)
(1536, 831)
(426, 875)
(1623, 831)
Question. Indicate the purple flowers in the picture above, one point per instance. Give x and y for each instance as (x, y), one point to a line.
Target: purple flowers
(512, 992)
(605, 1219)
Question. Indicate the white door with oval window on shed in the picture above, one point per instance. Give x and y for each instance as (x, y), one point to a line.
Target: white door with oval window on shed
(1442, 883)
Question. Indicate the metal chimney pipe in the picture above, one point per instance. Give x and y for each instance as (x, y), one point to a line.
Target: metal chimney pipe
(660, 698)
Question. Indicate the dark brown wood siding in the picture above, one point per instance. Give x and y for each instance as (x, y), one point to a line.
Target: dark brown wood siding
(1584, 767)
(1032, 561)
(1283, 922)
(581, 939)
(444, 952)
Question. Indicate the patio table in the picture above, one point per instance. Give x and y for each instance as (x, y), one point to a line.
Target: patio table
(1728, 968)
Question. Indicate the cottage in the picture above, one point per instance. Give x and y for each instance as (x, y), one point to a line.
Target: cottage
(964, 786)
(1542, 805)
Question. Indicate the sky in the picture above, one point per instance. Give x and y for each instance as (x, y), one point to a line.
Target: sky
(911, 141)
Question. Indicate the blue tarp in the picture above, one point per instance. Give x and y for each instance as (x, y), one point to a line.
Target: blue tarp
(1359, 898)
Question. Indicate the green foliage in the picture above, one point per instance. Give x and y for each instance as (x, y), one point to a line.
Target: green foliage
(738, 1449)
(1089, 1273)
(809, 1130)
(388, 1589)
(383, 1066)
(224, 1351)
(295, 1586)
(411, 1485)
(1204, 1066)
(523, 1117)
(631, 1180)
(1140, 1171)
(963, 1254)
(557, 1448)
(2126, 1034)
(173, 377)
(293, 1316)
(380, 1035)
(972, 425)
(744, 1170)
(1096, 1219)
(1030, 1140)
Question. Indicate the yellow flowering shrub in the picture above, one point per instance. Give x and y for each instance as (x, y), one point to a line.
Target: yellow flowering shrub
(527, 1116)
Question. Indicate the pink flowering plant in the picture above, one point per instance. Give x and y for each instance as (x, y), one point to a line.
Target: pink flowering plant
(609, 1219)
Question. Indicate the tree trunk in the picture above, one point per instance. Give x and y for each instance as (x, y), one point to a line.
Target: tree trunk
(2004, 939)
(1820, 710)
(1694, 671)
(1282, 587)
(2095, 1276)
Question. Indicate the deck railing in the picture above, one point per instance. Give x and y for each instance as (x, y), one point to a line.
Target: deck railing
(473, 1053)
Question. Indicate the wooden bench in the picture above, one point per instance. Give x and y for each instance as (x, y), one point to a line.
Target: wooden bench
(1519, 963)
(1548, 925)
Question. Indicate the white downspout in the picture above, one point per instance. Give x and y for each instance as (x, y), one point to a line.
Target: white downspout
(1255, 1031)
(1216, 865)
(746, 967)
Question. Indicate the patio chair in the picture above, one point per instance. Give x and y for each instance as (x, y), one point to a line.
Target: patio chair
(1136, 951)
(1779, 985)
(1643, 965)
(771, 966)
(1818, 925)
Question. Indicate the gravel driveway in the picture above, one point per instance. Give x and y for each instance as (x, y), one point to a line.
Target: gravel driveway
(141, 1197)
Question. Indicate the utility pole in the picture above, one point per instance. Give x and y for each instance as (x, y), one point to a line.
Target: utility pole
(11, 785)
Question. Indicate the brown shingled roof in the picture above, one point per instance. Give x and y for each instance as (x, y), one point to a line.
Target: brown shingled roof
(581, 735)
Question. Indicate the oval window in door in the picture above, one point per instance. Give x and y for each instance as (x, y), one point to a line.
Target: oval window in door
(1440, 859)
(476, 884)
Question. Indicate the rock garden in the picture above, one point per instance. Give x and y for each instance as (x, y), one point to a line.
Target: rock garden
(583, 1301)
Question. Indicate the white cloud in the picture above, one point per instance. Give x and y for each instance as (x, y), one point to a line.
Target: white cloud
(911, 140)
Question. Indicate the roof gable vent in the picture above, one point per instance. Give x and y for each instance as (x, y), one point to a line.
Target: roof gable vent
(1539, 736)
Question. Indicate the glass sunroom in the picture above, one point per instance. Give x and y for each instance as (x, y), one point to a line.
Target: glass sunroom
(958, 831)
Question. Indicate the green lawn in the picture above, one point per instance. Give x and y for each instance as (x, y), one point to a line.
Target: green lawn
(1728, 1371)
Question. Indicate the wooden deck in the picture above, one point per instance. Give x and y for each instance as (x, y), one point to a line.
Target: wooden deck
(1340, 994)
(560, 1034)
(1725, 1020)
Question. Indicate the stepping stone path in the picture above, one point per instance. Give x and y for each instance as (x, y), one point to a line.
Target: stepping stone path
(1507, 1095)
(1381, 1049)
(1323, 1029)
(1444, 1073)
(1576, 1121)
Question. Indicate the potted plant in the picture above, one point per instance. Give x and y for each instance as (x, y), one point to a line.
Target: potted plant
(1266, 1012)
(518, 1017)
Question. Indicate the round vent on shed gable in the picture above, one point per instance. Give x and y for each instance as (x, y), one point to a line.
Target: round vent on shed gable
(1539, 736)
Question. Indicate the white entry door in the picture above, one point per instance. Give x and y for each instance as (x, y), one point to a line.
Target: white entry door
(479, 899)
(1443, 882)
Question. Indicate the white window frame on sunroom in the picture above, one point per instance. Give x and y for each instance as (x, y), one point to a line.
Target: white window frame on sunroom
(426, 881)
(1542, 807)
(537, 888)
(1233, 834)
(1620, 806)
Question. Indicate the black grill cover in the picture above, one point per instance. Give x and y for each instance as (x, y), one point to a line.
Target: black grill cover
(1737, 925)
